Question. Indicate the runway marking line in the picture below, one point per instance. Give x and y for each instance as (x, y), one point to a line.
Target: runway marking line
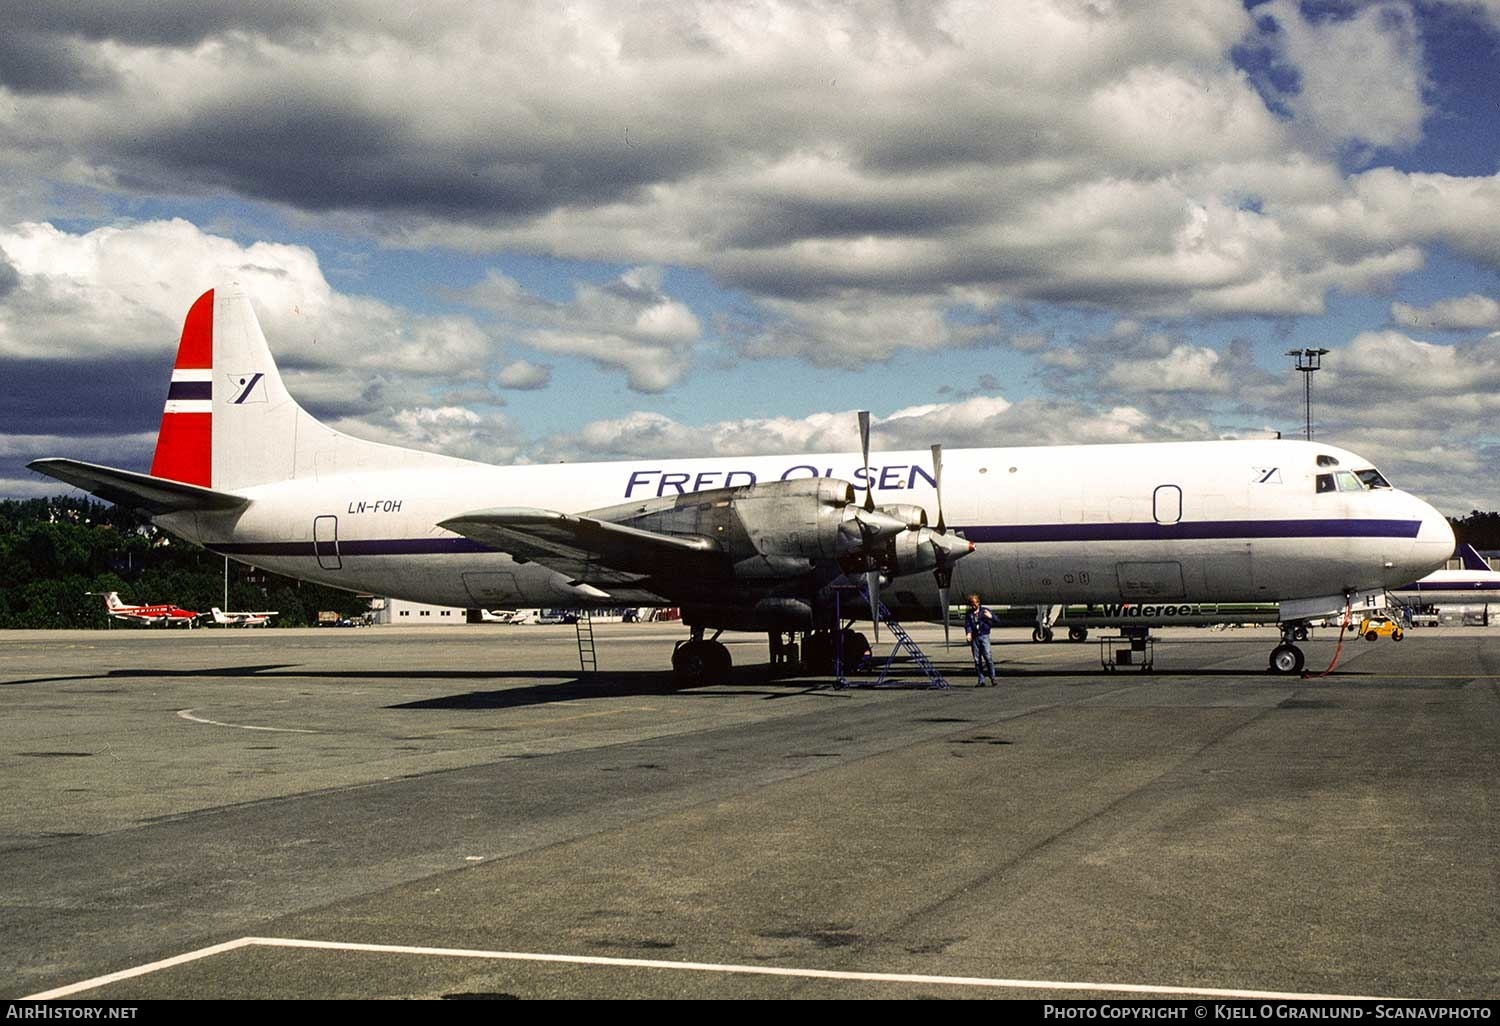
(702, 967)
(187, 714)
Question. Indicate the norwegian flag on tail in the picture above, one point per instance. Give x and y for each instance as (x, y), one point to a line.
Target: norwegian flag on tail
(184, 445)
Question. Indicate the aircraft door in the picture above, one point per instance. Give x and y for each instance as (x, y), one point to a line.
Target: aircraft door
(326, 542)
(1167, 504)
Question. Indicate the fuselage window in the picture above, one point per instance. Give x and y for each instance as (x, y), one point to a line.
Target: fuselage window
(1325, 484)
(1373, 478)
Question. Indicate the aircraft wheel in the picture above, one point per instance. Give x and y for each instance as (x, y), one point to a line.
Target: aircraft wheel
(1078, 634)
(1371, 635)
(1300, 632)
(1287, 659)
(1041, 634)
(719, 661)
(694, 662)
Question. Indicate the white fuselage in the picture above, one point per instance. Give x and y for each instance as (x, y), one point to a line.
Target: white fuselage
(1451, 588)
(1198, 521)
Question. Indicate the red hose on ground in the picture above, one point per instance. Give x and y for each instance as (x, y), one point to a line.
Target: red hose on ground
(1348, 621)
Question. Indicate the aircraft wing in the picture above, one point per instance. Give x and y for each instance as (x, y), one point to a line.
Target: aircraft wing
(153, 495)
(589, 551)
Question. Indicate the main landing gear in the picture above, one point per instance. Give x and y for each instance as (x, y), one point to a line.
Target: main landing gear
(699, 660)
(1287, 658)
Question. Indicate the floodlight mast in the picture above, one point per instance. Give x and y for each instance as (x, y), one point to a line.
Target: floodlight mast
(1309, 361)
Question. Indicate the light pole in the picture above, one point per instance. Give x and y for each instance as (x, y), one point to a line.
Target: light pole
(1308, 362)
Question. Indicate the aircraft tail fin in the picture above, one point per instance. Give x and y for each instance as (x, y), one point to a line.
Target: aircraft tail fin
(112, 601)
(1471, 558)
(229, 421)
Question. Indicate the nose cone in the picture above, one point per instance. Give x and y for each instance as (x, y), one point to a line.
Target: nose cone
(1433, 546)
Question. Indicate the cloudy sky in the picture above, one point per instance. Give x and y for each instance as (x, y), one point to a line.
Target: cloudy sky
(529, 232)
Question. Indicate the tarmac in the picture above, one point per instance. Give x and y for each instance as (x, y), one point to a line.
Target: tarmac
(459, 812)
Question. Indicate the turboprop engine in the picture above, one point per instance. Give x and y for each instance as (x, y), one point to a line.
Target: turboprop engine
(774, 529)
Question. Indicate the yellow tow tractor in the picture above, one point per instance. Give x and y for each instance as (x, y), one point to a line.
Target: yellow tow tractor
(1373, 627)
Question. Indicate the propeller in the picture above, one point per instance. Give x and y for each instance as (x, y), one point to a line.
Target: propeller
(943, 572)
(864, 446)
(937, 481)
(872, 575)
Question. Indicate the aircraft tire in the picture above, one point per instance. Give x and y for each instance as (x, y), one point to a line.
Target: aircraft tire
(1300, 632)
(1041, 634)
(1287, 659)
(1078, 634)
(693, 663)
(719, 660)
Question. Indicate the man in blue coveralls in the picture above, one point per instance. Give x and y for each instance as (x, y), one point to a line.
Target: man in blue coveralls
(977, 623)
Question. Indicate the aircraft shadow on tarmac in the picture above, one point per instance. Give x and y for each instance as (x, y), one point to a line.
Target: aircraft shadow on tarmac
(596, 685)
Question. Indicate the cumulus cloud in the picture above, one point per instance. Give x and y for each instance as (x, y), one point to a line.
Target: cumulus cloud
(1184, 369)
(96, 316)
(976, 421)
(1462, 313)
(629, 323)
(524, 375)
(1359, 71)
(813, 155)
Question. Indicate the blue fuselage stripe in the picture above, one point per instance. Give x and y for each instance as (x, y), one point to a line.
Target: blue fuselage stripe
(1195, 531)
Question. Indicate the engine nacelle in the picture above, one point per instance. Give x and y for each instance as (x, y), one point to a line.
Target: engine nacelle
(914, 551)
(769, 530)
(912, 515)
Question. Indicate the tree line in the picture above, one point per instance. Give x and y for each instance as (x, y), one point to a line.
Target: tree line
(53, 552)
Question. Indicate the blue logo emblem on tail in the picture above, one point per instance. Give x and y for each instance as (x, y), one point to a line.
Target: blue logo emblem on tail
(247, 388)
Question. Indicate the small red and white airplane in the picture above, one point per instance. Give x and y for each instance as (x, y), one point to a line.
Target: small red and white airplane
(259, 618)
(161, 615)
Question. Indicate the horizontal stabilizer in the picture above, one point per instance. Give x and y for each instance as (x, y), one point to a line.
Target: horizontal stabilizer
(594, 551)
(152, 495)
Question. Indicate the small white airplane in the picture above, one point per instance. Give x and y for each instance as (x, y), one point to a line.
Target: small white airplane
(757, 543)
(259, 618)
(158, 615)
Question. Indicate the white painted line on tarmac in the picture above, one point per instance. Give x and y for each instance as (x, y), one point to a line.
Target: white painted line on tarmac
(140, 970)
(187, 714)
(703, 967)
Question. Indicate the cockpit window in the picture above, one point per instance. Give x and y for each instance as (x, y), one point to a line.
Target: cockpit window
(1328, 461)
(1347, 481)
(1373, 478)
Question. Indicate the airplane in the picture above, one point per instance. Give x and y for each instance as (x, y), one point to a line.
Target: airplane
(757, 543)
(160, 615)
(260, 618)
(1474, 584)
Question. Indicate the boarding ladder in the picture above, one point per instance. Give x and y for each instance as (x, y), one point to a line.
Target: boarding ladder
(935, 679)
(588, 661)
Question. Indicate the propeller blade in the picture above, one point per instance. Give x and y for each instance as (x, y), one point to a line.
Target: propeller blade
(937, 480)
(864, 445)
(872, 593)
(943, 601)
